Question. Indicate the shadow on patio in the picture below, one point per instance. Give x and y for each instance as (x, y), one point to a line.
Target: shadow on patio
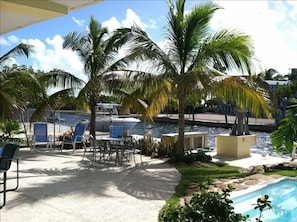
(72, 190)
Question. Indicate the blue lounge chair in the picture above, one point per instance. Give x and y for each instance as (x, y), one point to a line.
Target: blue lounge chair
(40, 136)
(77, 137)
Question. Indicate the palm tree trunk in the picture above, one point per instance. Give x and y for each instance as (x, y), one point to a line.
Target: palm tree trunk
(93, 119)
(226, 117)
(25, 128)
(293, 154)
(181, 124)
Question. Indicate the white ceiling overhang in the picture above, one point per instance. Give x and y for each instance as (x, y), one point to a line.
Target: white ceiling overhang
(17, 14)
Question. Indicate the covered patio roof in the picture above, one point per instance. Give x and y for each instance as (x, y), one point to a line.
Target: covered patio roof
(17, 14)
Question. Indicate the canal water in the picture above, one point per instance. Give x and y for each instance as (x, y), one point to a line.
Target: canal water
(263, 145)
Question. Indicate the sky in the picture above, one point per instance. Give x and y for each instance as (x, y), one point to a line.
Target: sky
(271, 24)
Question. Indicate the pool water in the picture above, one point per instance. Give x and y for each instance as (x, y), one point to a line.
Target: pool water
(283, 197)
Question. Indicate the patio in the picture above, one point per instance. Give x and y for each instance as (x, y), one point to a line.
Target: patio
(59, 187)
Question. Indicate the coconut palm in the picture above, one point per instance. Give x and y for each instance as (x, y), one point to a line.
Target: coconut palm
(284, 139)
(98, 53)
(15, 82)
(65, 83)
(190, 53)
(32, 86)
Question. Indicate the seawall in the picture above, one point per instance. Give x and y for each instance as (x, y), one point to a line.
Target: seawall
(217, 120)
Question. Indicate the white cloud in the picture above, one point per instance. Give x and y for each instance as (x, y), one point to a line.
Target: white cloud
(131, 19)
(4, 42)
(112, 24)
(13, 39)
(272, 26)
(79, 22)
(52, 55)
(10, 41)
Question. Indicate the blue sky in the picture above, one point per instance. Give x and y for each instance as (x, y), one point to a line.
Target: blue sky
(271, 24)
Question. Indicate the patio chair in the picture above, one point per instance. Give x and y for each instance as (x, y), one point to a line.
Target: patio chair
(40, 136)
(130, 149)
(117, 148)
(98, 148)
(77, 136)
(7, 156)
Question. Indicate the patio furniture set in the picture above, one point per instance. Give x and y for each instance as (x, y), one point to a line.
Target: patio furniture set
(105, 148)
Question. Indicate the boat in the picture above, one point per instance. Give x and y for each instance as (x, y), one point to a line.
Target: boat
(107, 115)
(55, 119)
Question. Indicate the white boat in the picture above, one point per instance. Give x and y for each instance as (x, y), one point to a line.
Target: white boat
(108, 115)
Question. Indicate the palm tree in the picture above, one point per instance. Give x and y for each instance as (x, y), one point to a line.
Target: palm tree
(269, 74)
(190, 53)
(15, 82)
(98, 53)
(285, 137)
(65, 83)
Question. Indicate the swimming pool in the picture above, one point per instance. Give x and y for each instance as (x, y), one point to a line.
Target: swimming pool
(283, 197)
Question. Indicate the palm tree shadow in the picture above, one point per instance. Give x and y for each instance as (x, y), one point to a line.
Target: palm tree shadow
(149, 181)
(49, 175)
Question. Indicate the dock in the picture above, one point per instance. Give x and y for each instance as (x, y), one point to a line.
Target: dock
(218, 120)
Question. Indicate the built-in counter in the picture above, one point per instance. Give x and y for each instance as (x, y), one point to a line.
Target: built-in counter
(193, 140)
(235, 146)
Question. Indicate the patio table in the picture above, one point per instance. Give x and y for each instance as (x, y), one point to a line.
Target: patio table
(116, 145)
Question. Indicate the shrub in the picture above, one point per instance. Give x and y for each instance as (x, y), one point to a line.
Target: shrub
(203, 157)
(165, 149)
(9, 128)
(191, 157)
(205, 205)
(148, 145)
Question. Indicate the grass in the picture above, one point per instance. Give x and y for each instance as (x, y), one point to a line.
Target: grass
(210, 172)
(287, 173)
(197, 174)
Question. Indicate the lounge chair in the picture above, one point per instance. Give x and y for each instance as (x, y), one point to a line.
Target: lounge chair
(77, 137)
(7, 156)
(41, 137)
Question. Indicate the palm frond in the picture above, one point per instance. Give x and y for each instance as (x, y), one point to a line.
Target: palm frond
(54, 101)
(244, 96)
(21, 49)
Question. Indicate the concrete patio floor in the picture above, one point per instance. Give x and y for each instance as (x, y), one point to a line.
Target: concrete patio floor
(59, 187)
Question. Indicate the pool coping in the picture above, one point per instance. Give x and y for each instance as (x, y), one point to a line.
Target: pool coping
(239, 193)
